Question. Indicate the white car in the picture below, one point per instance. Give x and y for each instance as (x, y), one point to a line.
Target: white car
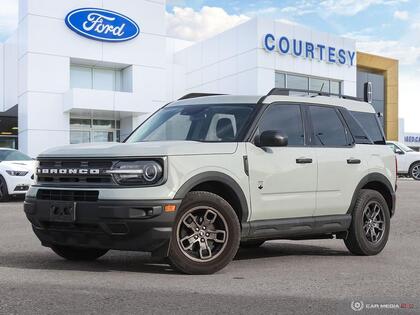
(207, 174)
(16, 173)
(408, 159)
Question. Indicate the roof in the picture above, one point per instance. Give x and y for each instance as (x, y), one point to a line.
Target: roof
(219, 99)
(351, 105)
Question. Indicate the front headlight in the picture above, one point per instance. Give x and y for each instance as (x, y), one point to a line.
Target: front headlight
(16, 173)
(136, 172)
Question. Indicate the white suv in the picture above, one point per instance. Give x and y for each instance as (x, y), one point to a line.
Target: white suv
(207, 174)
(408, 160)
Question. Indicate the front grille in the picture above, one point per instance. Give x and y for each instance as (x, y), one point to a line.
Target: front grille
(67, 195)
(75, 179)
(76, 163)
(75, 227)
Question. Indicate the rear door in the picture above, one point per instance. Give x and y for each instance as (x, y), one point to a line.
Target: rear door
(341, 163)
(282, 179)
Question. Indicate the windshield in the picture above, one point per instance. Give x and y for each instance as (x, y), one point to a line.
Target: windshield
(12, 155)
(206, 123)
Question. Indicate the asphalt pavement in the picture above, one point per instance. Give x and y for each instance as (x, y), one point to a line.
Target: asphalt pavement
(281, 277)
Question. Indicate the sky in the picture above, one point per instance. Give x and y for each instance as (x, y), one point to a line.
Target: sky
(386, 27)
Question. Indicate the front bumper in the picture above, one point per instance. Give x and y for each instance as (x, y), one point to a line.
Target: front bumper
(18, 184)
(108, 224)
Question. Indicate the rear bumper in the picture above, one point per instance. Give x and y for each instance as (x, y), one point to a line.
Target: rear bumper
(140, 225)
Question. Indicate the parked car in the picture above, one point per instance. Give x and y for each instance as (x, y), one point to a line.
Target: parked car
(207, 174)
(408, 160)
(16, 173)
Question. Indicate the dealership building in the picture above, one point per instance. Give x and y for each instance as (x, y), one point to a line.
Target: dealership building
(87, 71)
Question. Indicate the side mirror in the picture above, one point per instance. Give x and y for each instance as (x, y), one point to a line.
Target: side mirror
(398, 151)
(273, 138)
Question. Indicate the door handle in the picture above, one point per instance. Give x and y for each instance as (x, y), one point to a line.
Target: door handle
(353, 161)
(304, 161)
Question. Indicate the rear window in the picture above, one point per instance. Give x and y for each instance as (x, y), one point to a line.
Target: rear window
(369, 122)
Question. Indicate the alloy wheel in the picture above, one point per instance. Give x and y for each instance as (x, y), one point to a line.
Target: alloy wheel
(202, 234)
(416, 172)
(373, 222)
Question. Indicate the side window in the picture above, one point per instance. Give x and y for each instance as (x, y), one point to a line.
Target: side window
(285, 118)
(396, 149)
(392, 146)
(370, 123)
(328, 128)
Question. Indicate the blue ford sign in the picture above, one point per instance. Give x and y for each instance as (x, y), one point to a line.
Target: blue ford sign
(100, 24)
(306, 49)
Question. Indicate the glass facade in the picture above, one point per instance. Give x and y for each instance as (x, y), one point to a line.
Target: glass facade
(83, 130)
(85, 77)
(8, 132)
(304, 82)
(378, 90)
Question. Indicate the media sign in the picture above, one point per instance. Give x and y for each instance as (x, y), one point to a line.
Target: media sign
(101, 24)
(412, 138)
(309, 50)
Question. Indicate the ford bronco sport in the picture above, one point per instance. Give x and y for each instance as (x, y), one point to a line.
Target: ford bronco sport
(205, 175)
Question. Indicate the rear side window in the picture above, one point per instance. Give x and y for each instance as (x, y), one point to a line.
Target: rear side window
(370, 124)
(285, 118)
(327, 127)
(359, 134)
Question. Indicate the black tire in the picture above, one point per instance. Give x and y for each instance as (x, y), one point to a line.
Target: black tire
(251, 244)
(360, 240)
(78, 253)
(414, 171)
(195, 209)
(4, 194)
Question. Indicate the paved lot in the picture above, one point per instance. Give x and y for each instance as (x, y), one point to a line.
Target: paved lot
(307, 277)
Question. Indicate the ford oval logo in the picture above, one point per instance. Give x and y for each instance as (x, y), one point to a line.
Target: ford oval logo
(100, 24)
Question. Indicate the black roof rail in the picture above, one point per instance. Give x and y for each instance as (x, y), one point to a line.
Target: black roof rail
(194, 95)
(286, 91)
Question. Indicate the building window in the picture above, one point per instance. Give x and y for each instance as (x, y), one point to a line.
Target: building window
(83, 130)
(297, 82)
(280, 80)
(302, 82)
(8, 132)
(321, 85)
(85, 77)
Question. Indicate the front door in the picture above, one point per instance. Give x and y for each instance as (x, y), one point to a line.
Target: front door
(282, 179)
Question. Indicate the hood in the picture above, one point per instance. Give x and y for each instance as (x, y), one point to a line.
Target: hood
(140, 149)
(19, 165)
(413, 153)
